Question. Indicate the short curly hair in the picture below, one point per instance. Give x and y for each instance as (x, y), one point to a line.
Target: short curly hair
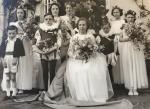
(116, 7)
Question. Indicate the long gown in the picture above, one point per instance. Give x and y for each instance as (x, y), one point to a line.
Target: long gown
(25, 68)
(88, 81)
(134, 67)
(37, 80)
(117, 69)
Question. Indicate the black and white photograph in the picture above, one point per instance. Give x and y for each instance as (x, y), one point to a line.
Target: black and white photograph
(74, 54)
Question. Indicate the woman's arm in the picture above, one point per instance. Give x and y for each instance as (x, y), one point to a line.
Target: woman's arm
(71, 49)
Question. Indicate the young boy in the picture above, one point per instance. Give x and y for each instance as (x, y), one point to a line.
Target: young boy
(107, 46)
(10, 50)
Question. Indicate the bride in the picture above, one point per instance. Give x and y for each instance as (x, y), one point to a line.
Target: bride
(87, 80)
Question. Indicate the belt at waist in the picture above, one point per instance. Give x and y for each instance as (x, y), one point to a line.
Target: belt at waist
(9, 53)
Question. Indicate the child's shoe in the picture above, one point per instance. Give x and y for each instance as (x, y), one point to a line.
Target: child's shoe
(20, 92)
(135, 92)
(14, 92)
(130, 93)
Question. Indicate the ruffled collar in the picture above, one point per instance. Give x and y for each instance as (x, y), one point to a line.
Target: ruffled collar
(11, 40)
(105, 34)
(46, 27)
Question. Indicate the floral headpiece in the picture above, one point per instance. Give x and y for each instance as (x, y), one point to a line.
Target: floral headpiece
(130, 12)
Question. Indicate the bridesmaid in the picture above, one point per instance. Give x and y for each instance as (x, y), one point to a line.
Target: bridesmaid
(24, 75)
(55, 11)
(134, 67)
(69, 18)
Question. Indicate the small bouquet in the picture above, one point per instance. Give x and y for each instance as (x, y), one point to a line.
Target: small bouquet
(51, 41)
(135, 33)
(84, 49)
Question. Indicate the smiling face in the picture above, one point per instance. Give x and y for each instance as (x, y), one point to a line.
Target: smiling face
(55, 10)
(82, 26)
(48, 19)
(20, 14)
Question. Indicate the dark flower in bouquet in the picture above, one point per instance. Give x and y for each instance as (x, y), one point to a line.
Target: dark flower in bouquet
(51, 41)
(84, 48)
(29, 28)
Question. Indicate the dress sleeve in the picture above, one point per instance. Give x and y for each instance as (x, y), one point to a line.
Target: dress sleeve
(59, 38)
(37, 36)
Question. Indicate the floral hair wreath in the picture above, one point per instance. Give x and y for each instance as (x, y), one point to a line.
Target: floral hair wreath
(130, 12)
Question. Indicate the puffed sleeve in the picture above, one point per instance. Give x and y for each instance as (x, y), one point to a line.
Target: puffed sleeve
(71, 50)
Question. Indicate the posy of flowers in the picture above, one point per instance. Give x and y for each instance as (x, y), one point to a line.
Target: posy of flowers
(84, 49)
(49, 42)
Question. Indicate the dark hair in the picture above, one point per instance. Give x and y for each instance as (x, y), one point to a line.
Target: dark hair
(83, 19)
(130, 12)
(56, 4)
(47, 14)
(69, 3)
(106, 23)
(22, 8)
(12, 27)
(120, 10)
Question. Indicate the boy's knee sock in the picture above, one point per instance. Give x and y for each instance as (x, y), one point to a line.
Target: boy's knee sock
(8, 92)
(13, 88)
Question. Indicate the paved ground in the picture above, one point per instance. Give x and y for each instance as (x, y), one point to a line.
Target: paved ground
(140, 102)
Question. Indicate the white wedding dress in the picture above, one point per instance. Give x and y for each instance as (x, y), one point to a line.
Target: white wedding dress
(88, 81)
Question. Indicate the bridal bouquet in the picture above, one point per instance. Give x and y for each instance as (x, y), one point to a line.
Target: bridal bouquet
(84, 49)
(135, 33)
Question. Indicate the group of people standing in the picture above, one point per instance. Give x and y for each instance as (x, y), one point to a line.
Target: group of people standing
(37, 60)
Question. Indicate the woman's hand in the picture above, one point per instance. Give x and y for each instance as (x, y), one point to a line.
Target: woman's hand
(4, 63)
